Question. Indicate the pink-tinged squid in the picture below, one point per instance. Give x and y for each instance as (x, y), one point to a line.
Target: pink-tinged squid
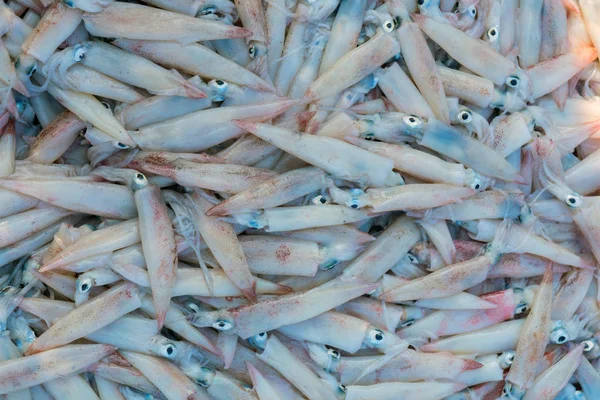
(102, 241)
(158, 242)
(218, 385)
(402, 92)
(96, 198)
(58, 22)
(356, 65)
(137, 71)
(171, 381)
(194, 59)
(477, 90)
(70, 387)
(300, 217)
(344, 332)
(508, 303)
(298, 373)
(454, 278)
(533, 339)
(412, 197)
(334, 156)
(345, 31)
(264, 388)
(116, 369)
(550, 74)
(134, 21)
(89, 317)
(55, 138)
(450, 142)
(380, 256)
(222, 241)
(494, 339)
(33, 370)
(487, 204)
(476, 55)
(523, 240)
(406, 159)
(274, 192)
(269, 314)
(225, 178)
(550, 382)
(206, 128)
(22, 225)
(408, 366)
(90, 110)
(423, 69)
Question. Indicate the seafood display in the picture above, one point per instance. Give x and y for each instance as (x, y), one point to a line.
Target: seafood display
(299, 199)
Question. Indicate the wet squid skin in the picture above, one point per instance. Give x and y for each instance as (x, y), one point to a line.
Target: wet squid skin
(299, 199)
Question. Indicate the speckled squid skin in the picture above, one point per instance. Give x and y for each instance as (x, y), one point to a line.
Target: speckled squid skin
(89, 317)
(33, 370)
(134, 21)
(158, 244)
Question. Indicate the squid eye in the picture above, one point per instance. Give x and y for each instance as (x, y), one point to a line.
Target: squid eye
(342, 388)
(369, 136)
(573, 200)
(139, 181)
(465, 116)
(219, 82)
(259, 340)
(32, 69)
(513, 82)
(202, 383)
(79, 53)
(169, 350)
(407, 323)
(507, 359)
(559, 336)
(389, 26)
(122, 145)
(521, 308)
(320, 200)
(106, 105)
(253, 224)
(475, 185)
(208, 11)
(252, 51)
(194, 307)
(422, 2)
(85, 285)
(68, 3)
(412, 259)
(492, 33)
(222, 325)
(588, 345)
(412, 121)
(354, 203)
(334, 354)
(472, 10)
(376, 336)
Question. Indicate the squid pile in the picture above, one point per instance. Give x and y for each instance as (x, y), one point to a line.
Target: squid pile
(299, 199)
